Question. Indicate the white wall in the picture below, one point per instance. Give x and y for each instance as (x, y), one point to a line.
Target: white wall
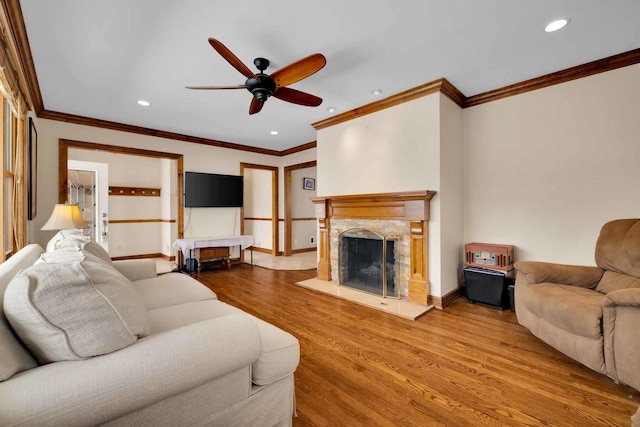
(257, 204)
(197, 158)
(546, 169)
(451, 195)
(303, 207)
(168, 205)
(396, 149)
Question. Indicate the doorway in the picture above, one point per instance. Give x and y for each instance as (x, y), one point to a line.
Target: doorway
(172, 227)
(259, 214)
(299, 212)
(88, 187)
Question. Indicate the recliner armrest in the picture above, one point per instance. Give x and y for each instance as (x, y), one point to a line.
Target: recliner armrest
(136, 269)
(623, 297)
(531, 272)
(620, 320)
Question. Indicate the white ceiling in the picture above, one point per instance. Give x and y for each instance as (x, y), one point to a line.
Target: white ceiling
(96, 58)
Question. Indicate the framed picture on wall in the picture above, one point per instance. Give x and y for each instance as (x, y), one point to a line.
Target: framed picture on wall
(309, 183)
(32, 171)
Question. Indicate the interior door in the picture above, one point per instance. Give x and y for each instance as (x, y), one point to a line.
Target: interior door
(88, 186)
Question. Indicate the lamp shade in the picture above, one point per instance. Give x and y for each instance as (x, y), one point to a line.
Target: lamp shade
(65, 217)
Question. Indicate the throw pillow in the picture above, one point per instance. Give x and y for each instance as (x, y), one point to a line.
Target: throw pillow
(75, 241)
(61, 235)
(73, 311)
(64, 255)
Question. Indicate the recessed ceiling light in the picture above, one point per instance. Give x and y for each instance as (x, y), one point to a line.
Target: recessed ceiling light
(556, 25)
(143, 103)
(274, 132)
(377, 92)
(331, 109)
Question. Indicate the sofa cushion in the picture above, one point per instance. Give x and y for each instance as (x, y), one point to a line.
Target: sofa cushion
(14, 357)
(279, 357)
(176, 316)
(612, 281)
(571, 308)
(72, 311)
(170, 289)
(280, 351)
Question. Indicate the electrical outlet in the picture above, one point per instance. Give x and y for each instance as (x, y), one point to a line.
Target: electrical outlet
(312, 240)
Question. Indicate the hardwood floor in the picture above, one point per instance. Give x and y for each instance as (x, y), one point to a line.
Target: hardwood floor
(468, 365)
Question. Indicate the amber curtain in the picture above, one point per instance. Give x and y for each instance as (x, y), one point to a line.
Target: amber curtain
(18, 193)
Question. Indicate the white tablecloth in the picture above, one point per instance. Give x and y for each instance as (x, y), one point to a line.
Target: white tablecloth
(185, 245)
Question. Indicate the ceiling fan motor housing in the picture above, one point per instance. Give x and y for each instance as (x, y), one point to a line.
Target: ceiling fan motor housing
(262, 87)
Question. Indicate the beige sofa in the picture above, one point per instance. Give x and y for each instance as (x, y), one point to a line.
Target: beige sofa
(188, 359)
(591, 314)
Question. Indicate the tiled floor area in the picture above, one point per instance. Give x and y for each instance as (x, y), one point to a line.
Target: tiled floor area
(301, 261)
(164, 266)
(398, 307)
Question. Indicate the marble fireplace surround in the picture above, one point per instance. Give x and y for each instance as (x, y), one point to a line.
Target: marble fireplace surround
(379, 212)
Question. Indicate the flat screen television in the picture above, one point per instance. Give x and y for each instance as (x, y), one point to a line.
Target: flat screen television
(207, 190)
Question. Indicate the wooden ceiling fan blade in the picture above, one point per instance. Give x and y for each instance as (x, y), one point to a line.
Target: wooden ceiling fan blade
(215, 87)
(299, 70)
(255, 106)
(231, 58)
(297, 97)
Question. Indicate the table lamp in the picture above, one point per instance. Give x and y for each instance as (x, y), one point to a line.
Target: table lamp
(65, 217)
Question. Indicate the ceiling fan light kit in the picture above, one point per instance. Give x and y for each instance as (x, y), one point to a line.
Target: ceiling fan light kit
(262, 86)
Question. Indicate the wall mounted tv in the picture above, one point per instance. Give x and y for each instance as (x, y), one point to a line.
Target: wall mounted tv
(207, 190)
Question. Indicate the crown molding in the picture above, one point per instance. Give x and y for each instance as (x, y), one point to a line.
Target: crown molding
(440, 85)
(298, 149)
(445, 87)
(86, 121)
(18, 42)
(595, 67)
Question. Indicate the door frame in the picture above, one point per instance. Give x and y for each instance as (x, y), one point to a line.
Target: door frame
(275, 230)
(63, 156)
(288, 210)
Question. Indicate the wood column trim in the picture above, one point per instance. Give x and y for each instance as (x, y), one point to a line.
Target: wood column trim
(324, 242)
(419, 285)
(324, 250)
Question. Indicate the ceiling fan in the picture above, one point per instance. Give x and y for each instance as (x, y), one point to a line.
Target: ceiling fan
(262, 85)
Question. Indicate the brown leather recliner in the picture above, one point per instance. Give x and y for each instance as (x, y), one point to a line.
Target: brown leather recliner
(591, 314)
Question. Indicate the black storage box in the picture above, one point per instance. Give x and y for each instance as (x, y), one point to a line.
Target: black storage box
(512, 289)
(487, 287)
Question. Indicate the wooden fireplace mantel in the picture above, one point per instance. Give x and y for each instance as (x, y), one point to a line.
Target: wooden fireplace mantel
(412, 206)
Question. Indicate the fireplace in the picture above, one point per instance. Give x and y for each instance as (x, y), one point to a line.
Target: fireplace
(367, 262)
(393, 223)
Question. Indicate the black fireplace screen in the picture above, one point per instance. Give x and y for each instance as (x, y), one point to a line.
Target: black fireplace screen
(367, 262)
